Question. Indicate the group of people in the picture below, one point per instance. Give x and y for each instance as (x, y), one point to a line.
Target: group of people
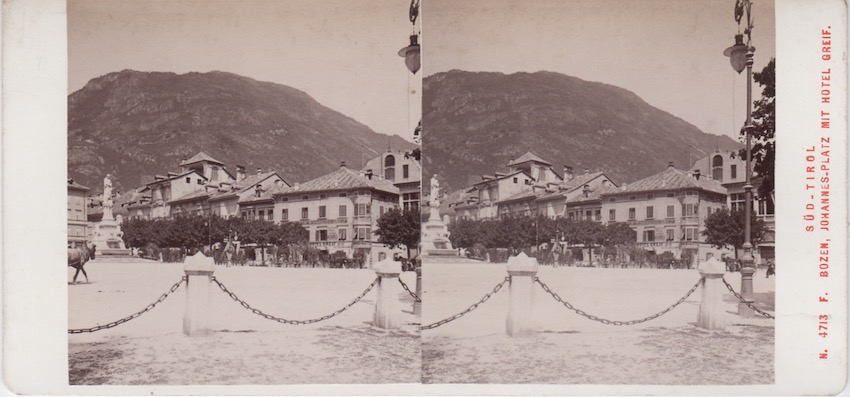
(734, 265)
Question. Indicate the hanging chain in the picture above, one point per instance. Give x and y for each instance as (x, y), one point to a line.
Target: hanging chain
(744, 301)
(615, 322)
(132, 316)
(415, 298)
(469, 309)
(294, 322)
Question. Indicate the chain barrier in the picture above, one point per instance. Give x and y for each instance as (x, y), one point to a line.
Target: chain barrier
(415, 298)
(294, 322)
(615, 322)
(749, 304)
(469, 309)
(132, 316)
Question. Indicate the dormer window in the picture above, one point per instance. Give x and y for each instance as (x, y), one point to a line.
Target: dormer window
(389, 167)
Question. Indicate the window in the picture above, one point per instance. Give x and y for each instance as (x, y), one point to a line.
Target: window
(389, 167)
(284, 214)
(597, 215)
(650, 196)
(341, 234)
(766, 206)
(362, 233)
(690, 209)
(612, 214)
(671, 194)
(322, 212)
(188, 180)
(323, 196)
(649, 235)
(671, 234)
(737, 200)
(343, 211)
(632, 197)
(405, 171)
(200, 181)
(632, 214)
(717, 168)
(588, 215)
(612, 199)
(362, 209)
(284, 199)
(410, 201)
(343, 194)
(381, 211)
(305, 197)
(322, 235)
(261, 215)
(244, 215)
(671, 212)
(689, 234)
(516, 180)
(305, 212)
(650, 212)
(734, 170)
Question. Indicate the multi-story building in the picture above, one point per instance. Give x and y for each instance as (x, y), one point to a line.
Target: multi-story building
(570, 198)
(339, 210)
(729, 168)
(77, 213)
(667, 210)
(404, 171)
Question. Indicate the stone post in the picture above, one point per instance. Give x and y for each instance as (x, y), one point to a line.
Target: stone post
(387, 306)
(199, 270)
(521, 270)
(712, 315)
(417, 306)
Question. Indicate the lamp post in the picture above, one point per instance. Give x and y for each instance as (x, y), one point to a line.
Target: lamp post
(741, 56)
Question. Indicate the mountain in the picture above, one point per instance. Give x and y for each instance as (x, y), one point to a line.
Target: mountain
(138, 124)
(474, 123)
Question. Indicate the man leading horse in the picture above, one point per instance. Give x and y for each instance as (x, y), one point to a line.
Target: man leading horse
(77, 258)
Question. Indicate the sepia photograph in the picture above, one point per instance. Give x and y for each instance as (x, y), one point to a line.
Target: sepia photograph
(243, 192)
(601, 207)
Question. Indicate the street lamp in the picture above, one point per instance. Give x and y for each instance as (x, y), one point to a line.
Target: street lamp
(412, 51)
(740, 56)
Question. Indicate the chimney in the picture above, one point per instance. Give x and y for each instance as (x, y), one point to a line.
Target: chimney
(240, 173)
(369, 174)
(696, 174)
(568, 173)
(259, 170)
(172, 174)
(586, 171)
(586, 190)
(342, 164)
(158, 178)
(670, 164)
(258, 190)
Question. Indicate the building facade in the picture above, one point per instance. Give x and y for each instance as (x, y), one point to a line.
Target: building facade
(404, 171)
(77, 213)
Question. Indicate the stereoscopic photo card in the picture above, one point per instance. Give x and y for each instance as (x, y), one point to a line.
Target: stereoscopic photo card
(425, 197)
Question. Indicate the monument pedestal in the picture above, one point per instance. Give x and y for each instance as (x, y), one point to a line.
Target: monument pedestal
(107, 238)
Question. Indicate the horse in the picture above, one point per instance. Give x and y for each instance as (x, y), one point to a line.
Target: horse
(77, 258)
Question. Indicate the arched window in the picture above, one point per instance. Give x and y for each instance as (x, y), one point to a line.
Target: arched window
(389, 167)
(717, 168)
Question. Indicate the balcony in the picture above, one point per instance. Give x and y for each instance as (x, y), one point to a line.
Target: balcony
(329, 244)
(363, 220)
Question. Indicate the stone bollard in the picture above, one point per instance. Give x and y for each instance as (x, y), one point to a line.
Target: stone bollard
(199, 270)
(387, 306)
(417, 306)
(521, 270)
(711, 312)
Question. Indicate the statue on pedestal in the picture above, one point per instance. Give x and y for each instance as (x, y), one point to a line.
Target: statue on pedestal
(107, 197)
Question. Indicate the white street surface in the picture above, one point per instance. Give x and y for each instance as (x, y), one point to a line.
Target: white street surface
(246, 348)
(572, 349)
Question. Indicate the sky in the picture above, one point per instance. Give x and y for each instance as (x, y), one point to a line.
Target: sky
(342, 53)
(670, 53)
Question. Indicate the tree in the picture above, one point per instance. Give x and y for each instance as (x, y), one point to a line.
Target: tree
(725, 229)
(764, 129)
(464, 233)
(398, 228)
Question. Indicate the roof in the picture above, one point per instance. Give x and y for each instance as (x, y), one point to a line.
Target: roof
(594, 195)
(76, 186)
(201, 156)
(341, 179)
(528, 156)
(176, 177)
(672, 179)
(196, 194)
(526, 194)
(577, 182)
(497, 178)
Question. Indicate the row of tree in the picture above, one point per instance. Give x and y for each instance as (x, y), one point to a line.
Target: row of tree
(194, 231)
